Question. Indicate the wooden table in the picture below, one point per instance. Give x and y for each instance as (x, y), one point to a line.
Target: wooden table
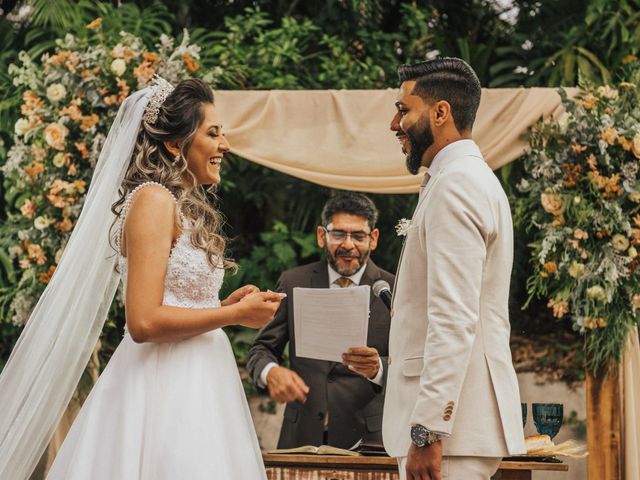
(331, 467)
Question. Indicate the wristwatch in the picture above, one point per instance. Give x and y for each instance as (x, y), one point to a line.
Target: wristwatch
(422, 437)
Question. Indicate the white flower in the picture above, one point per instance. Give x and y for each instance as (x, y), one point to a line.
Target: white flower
(632, 252)
(619, 242)
(22, 126)
(403, 226)
(118, 66)
(42, 222)
(59, 160)
(56, 92)
(563, 121)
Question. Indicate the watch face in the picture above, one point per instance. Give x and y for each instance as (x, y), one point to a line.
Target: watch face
(419, 435)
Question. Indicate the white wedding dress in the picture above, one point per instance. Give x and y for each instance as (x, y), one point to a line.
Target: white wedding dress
(167, 411)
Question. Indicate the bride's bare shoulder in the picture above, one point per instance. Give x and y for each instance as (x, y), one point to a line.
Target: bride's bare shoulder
(151, 215)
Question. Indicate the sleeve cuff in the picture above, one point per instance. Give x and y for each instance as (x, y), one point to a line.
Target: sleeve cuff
(262, 381)
(378, 378)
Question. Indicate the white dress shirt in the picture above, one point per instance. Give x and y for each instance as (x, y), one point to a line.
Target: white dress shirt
(333, 283)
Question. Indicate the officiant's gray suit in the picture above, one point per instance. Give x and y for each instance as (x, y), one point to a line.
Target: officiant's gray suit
(354, 403)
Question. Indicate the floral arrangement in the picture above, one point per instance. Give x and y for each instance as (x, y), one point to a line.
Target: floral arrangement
(71, 97)
(581, 202)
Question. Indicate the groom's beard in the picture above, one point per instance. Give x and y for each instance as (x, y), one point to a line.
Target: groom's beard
(420, 137)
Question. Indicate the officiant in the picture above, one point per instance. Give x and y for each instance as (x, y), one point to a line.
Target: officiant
(331, 403)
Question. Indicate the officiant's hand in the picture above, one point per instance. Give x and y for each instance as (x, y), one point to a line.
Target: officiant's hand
(286, 385)
(257, 309)
(362, 360)
(239, 294)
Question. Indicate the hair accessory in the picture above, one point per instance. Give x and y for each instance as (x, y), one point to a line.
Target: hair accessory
(161, 90)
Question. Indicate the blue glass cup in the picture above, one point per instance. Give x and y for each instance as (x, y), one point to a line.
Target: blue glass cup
(547, 418)
(523, 406)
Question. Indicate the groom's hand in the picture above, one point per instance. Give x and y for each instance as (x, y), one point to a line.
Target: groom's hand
(239, 294)
(423, 463)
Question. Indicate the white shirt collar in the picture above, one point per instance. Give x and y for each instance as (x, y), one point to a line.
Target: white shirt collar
(355, 278)
(457, 148)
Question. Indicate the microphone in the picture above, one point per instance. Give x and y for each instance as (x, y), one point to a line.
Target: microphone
(382, 290)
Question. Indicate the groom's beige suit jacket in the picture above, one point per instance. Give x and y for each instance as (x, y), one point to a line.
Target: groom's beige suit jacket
(450, 366)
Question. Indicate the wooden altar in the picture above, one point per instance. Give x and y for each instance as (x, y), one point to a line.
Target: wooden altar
(330, 467)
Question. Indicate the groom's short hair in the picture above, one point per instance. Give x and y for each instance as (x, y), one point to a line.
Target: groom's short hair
(450, 79)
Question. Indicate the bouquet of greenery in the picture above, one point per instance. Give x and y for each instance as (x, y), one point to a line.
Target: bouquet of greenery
(69, 102)
(581, 203)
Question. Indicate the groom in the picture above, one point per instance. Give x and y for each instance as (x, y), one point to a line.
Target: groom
(452, 407)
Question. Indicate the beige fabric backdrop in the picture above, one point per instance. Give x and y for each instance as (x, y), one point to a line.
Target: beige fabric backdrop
(631, 419)
(341, 138)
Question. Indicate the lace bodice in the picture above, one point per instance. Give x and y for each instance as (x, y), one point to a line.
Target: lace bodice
(190, 281)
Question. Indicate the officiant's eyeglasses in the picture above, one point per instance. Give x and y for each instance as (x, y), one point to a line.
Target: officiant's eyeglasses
(340, 236)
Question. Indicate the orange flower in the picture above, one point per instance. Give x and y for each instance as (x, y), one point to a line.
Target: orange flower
(59, 58)
(73, 170)
(35, 253)
(551, 267)
(64, 226)
(190, 63)
(34, 169)
(45, 277)
(94, 24)
(589, 101)
(580, 234)
(28, 209)
(560, 307)
(625, 143)
(609, 135)
(144, 72)
(151, 57)
(578, 149)
(89, 121)
(552, 202)
(82, 148)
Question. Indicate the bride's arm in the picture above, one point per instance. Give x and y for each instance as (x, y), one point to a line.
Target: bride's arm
(149, 233)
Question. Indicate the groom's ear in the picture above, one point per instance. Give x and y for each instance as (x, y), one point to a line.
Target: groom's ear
(172, 147)
(441, 113)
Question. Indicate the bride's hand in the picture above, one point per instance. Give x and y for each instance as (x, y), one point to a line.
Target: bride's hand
(258, 309)
(239, 294)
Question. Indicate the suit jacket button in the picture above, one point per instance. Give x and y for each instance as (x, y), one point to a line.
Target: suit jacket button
(320, 416)
(331, 378)
(447, 417)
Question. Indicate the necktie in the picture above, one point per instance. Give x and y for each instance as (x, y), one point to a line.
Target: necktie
(344, 282)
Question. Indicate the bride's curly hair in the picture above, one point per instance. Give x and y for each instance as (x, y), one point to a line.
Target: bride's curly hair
(178, 120)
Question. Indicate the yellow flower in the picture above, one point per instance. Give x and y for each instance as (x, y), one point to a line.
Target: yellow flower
(632, 252)
(619, 242)
(609, 135)
(629, 59)
(635, 146)
(627, 85)
(56, 92)
(94, 24)
(597, 293)
(576, 270)
(590, 323)
(601, 322)
(552, 202)
(55, 135)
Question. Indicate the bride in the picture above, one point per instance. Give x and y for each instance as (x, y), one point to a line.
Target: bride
(170, 403)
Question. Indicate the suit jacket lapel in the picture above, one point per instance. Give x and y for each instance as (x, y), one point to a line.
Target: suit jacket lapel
(320, 277)
(369, 277)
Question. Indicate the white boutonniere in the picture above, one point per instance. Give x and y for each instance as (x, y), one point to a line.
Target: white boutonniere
(403, 227)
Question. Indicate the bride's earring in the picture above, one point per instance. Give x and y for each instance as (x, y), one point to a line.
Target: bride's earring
(176, 159)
